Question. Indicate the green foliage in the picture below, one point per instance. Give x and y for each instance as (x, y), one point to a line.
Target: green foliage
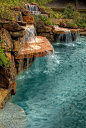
(71, 24)
(49, 10)
(46, 21)
(3, 59)
(6, 8)
(59, 15)
(76, 17)
(34, 16)
(68, 13)
(81, 24)
(83, 18)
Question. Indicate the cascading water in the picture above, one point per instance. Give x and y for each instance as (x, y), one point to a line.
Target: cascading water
(34, 9)
(19, 17)
(68, 36)
(29, 37)
(31, 7)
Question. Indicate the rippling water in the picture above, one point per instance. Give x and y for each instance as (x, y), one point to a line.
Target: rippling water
(53, 90)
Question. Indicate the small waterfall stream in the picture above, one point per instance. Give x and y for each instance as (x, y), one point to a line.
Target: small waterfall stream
(29, 37)
(34, 9)
(19, 17)
(31, 7)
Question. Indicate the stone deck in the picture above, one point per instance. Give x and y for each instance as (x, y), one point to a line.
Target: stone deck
(39, 47)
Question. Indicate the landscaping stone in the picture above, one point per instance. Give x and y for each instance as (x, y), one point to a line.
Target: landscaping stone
(12, 26)
(28, 19)
(6, 41)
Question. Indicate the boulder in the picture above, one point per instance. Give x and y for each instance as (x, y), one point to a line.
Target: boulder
(0, 25)
(12, 26)
(17, 34)
(62, 24)
(45, 29)
(28, 19)
(6, 41)
(5, 77)
(14, 88)
(22, 23)
(49, 36)
(26, 13)
(16, 45)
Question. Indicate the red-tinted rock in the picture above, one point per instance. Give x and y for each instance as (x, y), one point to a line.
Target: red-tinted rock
(35, 49)
(28, 19)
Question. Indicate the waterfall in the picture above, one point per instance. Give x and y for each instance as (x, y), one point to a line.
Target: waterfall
(29, 37)
(21, 65)
(78, 36)
(34, 9)
(68, 36)
(19, 17)
(31, 7)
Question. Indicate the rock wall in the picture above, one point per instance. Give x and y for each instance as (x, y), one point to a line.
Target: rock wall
(11, 35)
(46, 31)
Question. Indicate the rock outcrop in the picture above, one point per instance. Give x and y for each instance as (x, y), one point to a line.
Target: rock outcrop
(45, 31)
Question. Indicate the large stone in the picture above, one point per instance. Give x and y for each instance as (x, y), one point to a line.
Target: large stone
(0, 25)
(16, 45)
(4, 77)
(28, 19)
(17, 34)
(62, 24)
(49, 36)
(22, 23)
(14, 88)
(45, 29)
(35, 49)
(6, 41)
(26, 13)
(12, 26)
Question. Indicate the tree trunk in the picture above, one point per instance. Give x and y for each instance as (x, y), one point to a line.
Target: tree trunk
(76, 5)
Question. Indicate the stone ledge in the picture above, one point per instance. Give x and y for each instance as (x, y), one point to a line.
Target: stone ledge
(35, 49)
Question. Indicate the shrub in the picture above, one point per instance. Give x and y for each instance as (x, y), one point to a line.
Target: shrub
(59, 16)
(68, 13)
(49, 10)
(3, 59)
(6, 8)
(76, 17)
(83, 18)
(45, 20)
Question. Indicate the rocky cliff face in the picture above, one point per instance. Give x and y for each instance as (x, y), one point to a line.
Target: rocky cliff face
(11, 34)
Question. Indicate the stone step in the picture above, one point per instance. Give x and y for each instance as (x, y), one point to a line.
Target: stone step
(38, 48)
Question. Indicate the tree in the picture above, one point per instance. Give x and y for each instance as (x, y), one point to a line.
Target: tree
(76, 5)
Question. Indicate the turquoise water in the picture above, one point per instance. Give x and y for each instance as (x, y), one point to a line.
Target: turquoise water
(53, 90)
